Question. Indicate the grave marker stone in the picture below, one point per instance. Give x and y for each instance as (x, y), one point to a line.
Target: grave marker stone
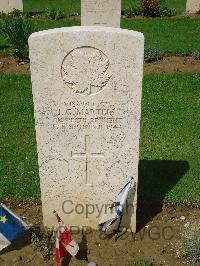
(193, 6)
(7, 6)
(87, 84)
(105, 13)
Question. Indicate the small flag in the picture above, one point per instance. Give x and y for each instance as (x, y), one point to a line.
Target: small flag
(115, 213)
(64, 241)
(11, 227)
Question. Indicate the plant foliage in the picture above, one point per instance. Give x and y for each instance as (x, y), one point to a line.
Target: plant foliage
(140, 263)
(43, 241)
(3, 15)
(150, 7)
(191, 243)
(16, 13)
(151, 54)
(167, 12)
(133, 10)
(157, 8)
(54, 14)
(196, 55)
(17, 32)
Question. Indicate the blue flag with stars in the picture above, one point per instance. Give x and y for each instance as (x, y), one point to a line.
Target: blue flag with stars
(11, 227)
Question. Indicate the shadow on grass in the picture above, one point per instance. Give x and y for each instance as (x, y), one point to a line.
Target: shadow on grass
(23, 241)
(156, 179)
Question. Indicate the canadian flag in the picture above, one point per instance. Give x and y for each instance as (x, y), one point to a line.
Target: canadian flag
(64, 241)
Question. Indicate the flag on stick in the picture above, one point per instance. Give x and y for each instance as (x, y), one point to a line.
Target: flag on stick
(11, 227)
(115, 213)
(64, 241)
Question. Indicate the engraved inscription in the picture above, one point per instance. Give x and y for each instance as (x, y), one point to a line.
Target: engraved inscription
(87, 115)
(88, 155)
(100, 12)
(85, 70)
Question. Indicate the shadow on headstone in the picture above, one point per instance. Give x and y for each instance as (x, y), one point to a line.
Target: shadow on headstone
(156, 179)
(23, 241)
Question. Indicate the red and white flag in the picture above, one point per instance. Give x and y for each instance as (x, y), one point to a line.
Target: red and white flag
(64, 241)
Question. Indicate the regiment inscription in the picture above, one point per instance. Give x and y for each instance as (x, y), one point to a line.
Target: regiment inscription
(86, 115)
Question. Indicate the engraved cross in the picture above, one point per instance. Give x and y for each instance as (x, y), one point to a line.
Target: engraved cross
(88, 155)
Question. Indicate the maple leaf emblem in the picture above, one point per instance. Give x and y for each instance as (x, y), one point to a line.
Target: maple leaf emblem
(85, 70)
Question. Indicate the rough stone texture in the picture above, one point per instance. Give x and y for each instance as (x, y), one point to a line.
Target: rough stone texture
(87, 84)
(106, 13)
(193, 6)
(7, 6)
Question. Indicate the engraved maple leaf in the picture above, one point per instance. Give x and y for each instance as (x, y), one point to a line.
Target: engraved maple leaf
(86, 71)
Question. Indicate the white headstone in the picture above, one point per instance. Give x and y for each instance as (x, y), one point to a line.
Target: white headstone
(7, 6)
(193, 6)
(87, 84)
(106, 13)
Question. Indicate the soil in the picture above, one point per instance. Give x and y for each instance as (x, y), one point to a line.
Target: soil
(10, 65)
(173, 64)
(178, 16)
(157, 240)
(169, 64)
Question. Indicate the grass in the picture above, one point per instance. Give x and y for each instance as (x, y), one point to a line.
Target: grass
(74, 6)
(170, 138)
(67, 6)
(140, 263)
(19, 170)
(169, 150)
(170, 36)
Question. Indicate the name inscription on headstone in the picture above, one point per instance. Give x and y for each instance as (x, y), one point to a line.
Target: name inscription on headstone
(86, 115)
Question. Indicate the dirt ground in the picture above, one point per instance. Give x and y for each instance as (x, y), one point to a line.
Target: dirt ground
(157, 240)
(173, 64)
(170, 64)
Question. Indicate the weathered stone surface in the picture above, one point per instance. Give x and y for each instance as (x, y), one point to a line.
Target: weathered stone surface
(106, 13)
(193, 6)
(7, 6)
(87, 84)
